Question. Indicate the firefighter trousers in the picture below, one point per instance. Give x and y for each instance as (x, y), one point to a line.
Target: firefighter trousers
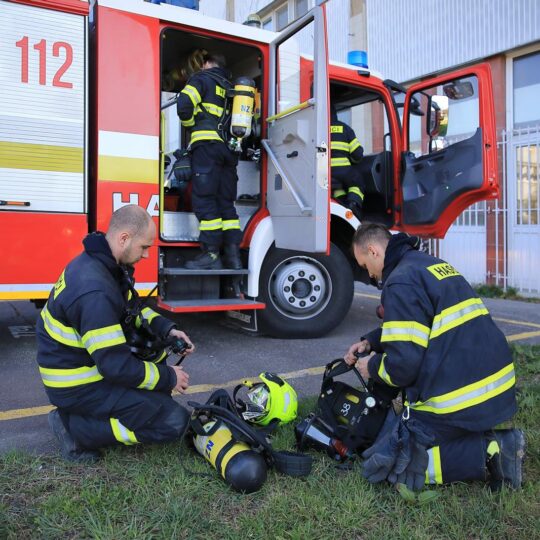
(214, 184)
(347, 185)
(458, 455)
(137, 416)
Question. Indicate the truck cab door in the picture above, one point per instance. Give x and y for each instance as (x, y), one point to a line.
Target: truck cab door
(297, 143)
(449, 150)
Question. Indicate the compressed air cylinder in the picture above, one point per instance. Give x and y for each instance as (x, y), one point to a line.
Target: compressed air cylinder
(242, 468)
(242, 107)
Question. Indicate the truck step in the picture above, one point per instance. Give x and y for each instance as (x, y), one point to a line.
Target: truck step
(186, 272)
(209, 304)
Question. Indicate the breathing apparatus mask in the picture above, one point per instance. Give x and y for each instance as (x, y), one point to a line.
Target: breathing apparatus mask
(348, 419)
(273, 401)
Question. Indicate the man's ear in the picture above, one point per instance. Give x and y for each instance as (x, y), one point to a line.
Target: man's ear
(123, 237)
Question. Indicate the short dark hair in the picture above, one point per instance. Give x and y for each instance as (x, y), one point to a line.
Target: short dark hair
(130, 217)
(370, 232)
(216, 58)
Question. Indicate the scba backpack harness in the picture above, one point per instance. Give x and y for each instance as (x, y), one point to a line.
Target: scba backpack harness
(349, 419)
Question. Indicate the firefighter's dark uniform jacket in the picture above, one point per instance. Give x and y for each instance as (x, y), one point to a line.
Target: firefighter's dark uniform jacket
(84, 361)
(345, 151)
(439, 343)
(201, 107)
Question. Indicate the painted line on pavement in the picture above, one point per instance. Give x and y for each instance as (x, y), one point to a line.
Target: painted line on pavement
(518, 323)
(15, 414)
(375, 296)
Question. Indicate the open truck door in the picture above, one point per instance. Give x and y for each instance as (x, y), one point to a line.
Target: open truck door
(297, 143)
(449, 150)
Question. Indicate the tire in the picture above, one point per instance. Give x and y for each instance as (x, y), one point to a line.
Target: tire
(306, 294)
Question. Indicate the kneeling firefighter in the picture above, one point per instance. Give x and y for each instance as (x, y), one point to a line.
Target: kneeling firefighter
(203, 109)
(237, 450)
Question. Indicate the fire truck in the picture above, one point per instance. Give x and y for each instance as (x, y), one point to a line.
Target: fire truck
(86, 127)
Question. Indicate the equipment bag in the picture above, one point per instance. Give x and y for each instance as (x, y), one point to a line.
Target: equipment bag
(355, 416)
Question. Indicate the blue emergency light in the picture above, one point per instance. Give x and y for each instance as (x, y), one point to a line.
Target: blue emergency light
(357, 58)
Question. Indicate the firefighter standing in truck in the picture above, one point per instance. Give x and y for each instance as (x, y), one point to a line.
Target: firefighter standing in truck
(201, 107)
(104, 393)
(345, 152)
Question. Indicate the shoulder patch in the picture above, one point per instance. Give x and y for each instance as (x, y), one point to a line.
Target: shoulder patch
(443, 270)
(336, 129)
(60, 285)
(220, 91)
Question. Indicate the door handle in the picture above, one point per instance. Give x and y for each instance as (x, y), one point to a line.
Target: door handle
(294, 153)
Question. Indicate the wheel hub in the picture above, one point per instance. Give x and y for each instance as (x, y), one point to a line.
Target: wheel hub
(300, 286)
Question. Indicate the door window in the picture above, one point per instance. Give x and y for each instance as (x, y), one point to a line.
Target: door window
(447, 114)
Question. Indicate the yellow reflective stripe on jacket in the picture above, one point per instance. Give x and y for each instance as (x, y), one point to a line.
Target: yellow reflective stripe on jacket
(149, 314)
(190, 122)
(101, 338)
(193, 94)
(151, 376)
(229, 224)
(383, 374)
(434, 470)
(339, 193)
(211, 225)
(60, 332)
(353, 145)
(339, 145)
(339, 162)
(161, 358)
(470, 395)
(209, 135)
(456, 315)
(65, 378)
(122, 433)
(405, 331)
(216, 110)
(356, 191)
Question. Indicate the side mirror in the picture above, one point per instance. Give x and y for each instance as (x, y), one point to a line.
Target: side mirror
(437, 124)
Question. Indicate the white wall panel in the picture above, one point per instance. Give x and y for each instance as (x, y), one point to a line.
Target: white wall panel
(411, 38)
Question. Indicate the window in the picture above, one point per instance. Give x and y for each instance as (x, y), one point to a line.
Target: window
(527, 186)
(449, 114)
(526, 90)
(267, 24)
(300, 8)
(282, 17)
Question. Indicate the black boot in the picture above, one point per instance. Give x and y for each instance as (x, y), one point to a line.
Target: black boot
(505, 464)
(231, 257)
(209, 259)
(68, 447)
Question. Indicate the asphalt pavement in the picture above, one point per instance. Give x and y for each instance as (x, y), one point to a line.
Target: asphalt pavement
(224, 357)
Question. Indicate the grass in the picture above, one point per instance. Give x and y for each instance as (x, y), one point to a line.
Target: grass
(494, 291)
(145, 493)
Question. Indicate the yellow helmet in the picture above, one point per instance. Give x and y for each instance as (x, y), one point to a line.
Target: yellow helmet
(273, 399)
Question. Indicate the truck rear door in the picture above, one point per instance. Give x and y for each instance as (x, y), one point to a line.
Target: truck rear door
(449, 150)
(297, 136)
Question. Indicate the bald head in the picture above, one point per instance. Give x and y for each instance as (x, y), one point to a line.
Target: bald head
(130, 234)
(130, 218)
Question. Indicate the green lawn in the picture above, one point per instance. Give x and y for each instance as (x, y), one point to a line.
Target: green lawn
(144, 492)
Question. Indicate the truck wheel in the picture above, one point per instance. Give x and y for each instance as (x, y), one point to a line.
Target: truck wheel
(306, 294)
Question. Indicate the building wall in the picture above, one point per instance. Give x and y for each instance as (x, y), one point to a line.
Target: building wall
(408, 39)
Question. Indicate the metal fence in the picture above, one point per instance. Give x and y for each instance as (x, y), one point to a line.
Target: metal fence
(508, 229)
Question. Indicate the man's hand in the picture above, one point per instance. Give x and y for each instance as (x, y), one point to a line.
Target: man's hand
(179, 334)
(182, 379)
(362, 366)
(361, 347)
